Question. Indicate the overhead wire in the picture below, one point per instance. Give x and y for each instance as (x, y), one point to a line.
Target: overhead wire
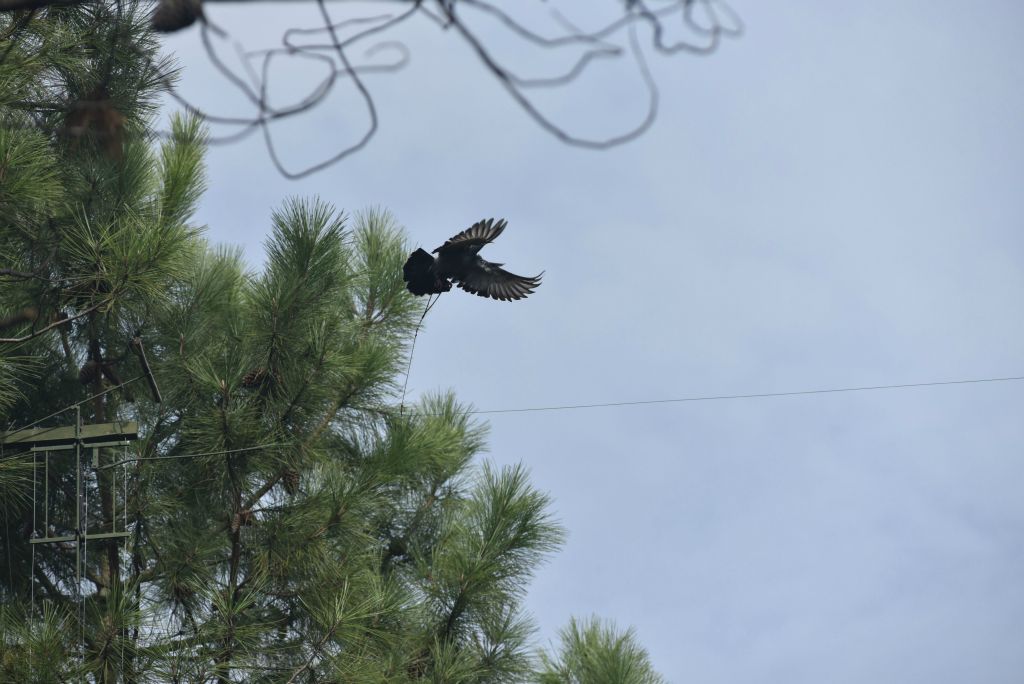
(34, 423)
(757, 395)
(222, 452)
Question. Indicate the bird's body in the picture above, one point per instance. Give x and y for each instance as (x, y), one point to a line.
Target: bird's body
(458, 262)
(451, 262)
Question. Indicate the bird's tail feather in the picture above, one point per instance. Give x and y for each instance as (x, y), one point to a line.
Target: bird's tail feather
(419, 277)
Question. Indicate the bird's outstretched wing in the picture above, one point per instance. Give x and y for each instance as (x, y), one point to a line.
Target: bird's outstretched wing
(477, 235)
(490, 280)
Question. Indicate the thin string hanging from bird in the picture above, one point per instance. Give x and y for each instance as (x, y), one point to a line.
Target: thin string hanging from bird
(431, 300)
(458, 261)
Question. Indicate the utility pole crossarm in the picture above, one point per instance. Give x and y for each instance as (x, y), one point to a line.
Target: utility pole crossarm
(100, 432)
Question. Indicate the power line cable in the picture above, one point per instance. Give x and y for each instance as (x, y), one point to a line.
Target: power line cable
(34, 423)
(760, 395)
(222, 452)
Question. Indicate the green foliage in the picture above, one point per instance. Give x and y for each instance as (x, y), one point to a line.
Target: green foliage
(29, 176)
(593, 651)
(15, 482)
(287, 519)
(362, 564)
(180, 171)
(40, 649)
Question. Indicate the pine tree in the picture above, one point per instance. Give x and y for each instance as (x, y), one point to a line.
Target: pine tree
(288, 520)
(93, 231)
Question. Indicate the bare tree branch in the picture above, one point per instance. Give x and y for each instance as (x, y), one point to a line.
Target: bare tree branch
(703, 24)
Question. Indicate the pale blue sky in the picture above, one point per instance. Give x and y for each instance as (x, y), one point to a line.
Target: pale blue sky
(832, 200)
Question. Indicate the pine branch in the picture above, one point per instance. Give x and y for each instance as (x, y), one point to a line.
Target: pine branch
(20, 275)
(457, 609)
(332, 414)
(316, 651)
(262, 491)
(65, 343)
(51, 589)
(305, 385)
(55, 324)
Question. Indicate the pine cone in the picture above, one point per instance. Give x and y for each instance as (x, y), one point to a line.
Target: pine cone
(111, 374)
(417, 667)
(96, 115)
(172, 15)
(291, 481)
(254, 378)
(88, 372)
(24, 316)
(242, 518)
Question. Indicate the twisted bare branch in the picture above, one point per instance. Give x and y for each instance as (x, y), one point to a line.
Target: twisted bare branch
(695, 27)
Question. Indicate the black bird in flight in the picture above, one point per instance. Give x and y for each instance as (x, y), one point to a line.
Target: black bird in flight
(457, 261)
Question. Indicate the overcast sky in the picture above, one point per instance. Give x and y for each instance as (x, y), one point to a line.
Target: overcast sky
(832, 200)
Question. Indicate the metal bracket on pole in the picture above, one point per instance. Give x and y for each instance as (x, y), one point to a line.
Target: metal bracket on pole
(51, 441)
